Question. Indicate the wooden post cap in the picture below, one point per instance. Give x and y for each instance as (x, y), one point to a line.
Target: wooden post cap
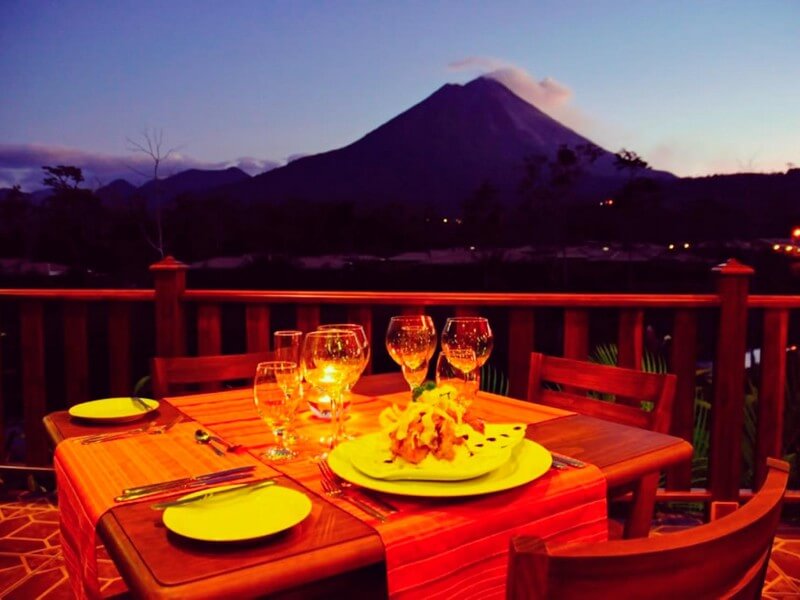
(733, 267)
(168, 263)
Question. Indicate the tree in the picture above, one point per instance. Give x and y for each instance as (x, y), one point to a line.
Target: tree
(152, 146)
(73, 223)
(63, 178)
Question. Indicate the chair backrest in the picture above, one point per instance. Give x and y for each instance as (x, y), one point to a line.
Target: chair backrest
(586, 387)
(188, 374)
(726, 558)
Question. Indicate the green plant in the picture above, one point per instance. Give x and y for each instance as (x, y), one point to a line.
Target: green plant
(493, 380)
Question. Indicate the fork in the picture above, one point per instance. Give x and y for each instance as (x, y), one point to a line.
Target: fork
(118, 435)
(374, 498)
(334, 490)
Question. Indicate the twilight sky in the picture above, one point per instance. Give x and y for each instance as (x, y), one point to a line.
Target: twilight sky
(694, 87)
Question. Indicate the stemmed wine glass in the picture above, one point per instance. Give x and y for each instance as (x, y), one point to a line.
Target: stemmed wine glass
(331, 360)
(276, 393)
(411, 342)
(459, 370)
(467, 333)
(286, 344)
(364, 342)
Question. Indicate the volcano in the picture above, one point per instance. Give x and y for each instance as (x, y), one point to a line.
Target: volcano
(436, 154)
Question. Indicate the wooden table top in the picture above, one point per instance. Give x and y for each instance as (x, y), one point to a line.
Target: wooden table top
(332, 550)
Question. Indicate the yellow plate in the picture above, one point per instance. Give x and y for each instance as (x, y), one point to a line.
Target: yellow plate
(371, 455)
(112, 409)
(238, 517)
(528, 461)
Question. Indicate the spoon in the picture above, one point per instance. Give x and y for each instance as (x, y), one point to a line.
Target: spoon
(202, 437)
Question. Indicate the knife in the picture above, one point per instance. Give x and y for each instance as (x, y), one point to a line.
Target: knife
(214, 493)
(186, 486)
(187, 480)
(572, 462)
(140, 403)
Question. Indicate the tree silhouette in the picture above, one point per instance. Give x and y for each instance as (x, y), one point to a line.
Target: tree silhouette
(63, 178)
(152, 146)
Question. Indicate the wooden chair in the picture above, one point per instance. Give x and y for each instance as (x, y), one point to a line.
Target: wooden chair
(190, 374)
(726, 558)
(629, 387)
(639, 399)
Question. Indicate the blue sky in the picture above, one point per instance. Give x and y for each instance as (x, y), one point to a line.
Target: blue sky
(696, 87)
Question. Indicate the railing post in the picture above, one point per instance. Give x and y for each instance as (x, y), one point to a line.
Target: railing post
(169, 277)
(727, 408)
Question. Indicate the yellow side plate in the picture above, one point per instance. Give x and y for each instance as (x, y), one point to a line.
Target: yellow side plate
(238, 517)
(528, 461)
(113, 409)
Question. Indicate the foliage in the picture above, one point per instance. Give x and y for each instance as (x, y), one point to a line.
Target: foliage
(493, 380)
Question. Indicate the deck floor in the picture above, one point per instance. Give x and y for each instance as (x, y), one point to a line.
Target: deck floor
(32, 567)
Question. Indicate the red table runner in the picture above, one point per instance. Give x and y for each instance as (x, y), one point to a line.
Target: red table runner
(90, 476)
(439, 548)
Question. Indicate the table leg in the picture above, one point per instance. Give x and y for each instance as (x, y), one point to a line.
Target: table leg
(644, 501)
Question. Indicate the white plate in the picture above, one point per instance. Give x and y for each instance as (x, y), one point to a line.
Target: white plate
(528, 461)
(238, 517)
(478, 455)
(115, 410)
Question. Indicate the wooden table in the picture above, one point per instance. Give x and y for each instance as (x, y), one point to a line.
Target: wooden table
(332, 552)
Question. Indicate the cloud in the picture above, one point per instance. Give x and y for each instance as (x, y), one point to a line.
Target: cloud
(22, 164)
(544, 94)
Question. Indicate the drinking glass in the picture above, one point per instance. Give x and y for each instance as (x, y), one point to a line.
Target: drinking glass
(316, 406)
(276, 394)
(331, 359)
(468, 333)
(459, 370)
(286, 343)
(411, 342)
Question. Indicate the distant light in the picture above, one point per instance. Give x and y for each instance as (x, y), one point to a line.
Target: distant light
(606, 248)
(792, 348)
(458, 221)
(686, 245)
(444, 220)
(671, 246)
(472, 247)
(776, 247)
(610, 202)
(788, 248)
(796, 232)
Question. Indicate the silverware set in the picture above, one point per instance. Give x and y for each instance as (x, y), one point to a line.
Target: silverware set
(336, 487)
(151, 428)
(185, 483)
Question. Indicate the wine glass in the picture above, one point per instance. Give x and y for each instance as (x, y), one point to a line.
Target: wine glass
(286, 344)
(364, 342)
(362, 339)
(459, 370)
(331, 359)
(276, 394)
(468, 333)
(411, 342)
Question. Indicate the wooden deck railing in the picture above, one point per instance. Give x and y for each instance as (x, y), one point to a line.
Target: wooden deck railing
(179, 314)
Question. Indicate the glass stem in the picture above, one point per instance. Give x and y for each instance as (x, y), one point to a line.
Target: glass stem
(337, 418)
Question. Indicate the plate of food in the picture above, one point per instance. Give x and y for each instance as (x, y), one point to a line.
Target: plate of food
(114, 410)
(433, 447)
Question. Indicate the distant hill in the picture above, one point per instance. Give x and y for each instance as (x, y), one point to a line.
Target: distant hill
(193, 181)
(436, 153)
(116, 192)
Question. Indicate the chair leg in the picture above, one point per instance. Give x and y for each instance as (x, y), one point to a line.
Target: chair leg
(644, 501)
